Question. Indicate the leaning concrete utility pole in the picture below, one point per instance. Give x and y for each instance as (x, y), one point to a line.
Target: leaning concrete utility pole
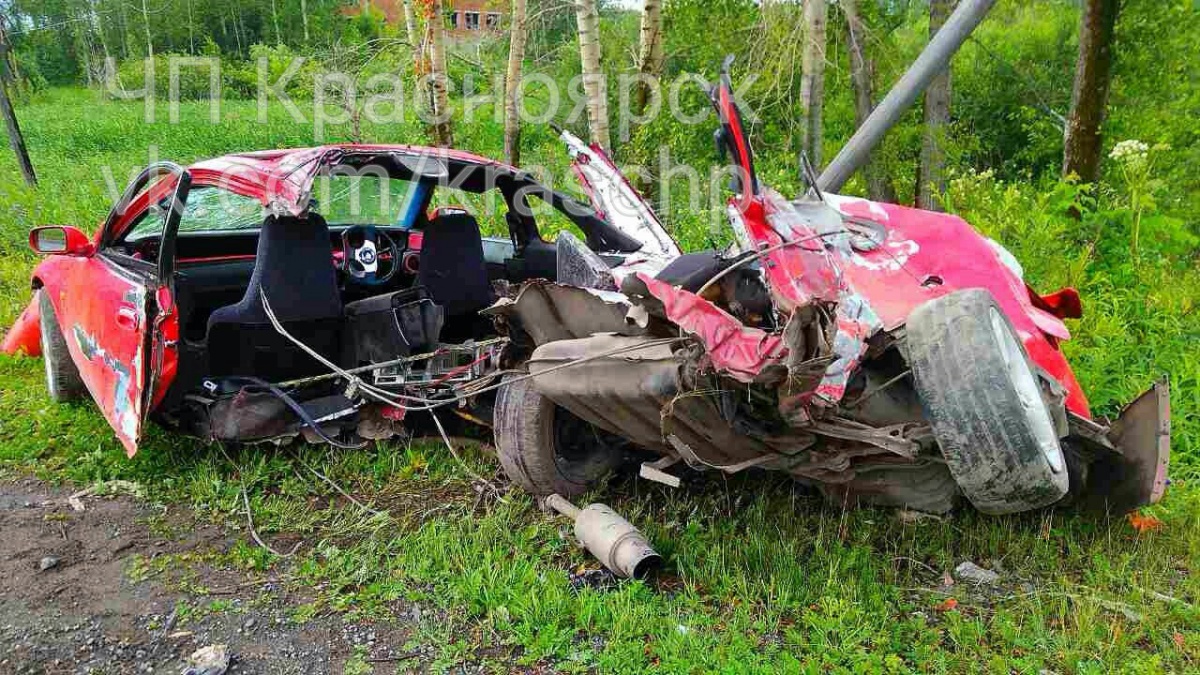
(932, 61)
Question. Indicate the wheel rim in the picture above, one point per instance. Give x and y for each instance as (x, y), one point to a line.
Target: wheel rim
(580, 452)
(1029, 393)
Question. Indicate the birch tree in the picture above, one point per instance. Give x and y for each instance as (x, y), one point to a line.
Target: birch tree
(650, 53)
(862, 74)
(812, 82)
(146, 26)
(1082, 142)
(588, 18)
(439, 97)
(512, 82)
(410, 24)
(304, 17)
(931, 172)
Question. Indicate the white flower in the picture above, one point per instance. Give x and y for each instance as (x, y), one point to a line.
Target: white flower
(1129, 151)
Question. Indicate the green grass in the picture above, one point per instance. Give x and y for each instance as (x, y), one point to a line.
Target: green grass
(760, 577)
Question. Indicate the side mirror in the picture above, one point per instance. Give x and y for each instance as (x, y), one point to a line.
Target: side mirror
(60, 240)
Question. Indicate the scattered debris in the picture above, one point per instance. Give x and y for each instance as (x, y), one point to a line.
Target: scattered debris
(108, 487)
(1144, 524)
(210, 660)
(599, 579)
(49, 562)
(910, 517)
(1122, 609)
(969, 571)
(947, 605)
(947, 580)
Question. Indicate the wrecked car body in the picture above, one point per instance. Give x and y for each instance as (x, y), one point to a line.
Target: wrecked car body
(260, 296)
(880, 353)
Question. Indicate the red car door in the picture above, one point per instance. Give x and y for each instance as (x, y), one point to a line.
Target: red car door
(112, 305)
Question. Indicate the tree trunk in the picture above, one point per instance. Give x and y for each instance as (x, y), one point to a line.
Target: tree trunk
(410, 24)
(126, 39)
(931, 174)
(94, 20)
(862, 74)
(237, 35)
(512, 83)
(275, 21)
(588, 18)
(650, 52)
(304, 17)
(416, 41)
(15, 139)
(146, 26)
(812, 82)
(438, 95)
(1082, 142)
(191, 30)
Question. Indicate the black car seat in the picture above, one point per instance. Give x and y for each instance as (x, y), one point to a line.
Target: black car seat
(454, 272)
(294, 268)
(691, 271)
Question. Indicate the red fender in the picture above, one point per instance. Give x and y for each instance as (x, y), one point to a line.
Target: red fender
(25, 336)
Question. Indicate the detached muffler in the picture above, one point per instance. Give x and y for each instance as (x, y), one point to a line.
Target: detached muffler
(615, 542)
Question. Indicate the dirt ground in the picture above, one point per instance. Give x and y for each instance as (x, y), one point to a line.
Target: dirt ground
(84, 614)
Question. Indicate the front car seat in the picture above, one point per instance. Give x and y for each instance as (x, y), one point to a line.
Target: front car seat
(453, 271)
(294, 268)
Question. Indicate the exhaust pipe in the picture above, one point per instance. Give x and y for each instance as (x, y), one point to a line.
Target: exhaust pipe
(615, 542)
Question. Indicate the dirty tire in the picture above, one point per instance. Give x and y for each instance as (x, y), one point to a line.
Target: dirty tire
(62, 375)
(545, 449)
(982, 398)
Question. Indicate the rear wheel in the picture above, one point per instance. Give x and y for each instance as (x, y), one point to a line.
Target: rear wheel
(544, 448)
(982, 397)
(62, 376)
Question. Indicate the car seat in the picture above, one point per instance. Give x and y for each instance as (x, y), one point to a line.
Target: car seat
(294, 268)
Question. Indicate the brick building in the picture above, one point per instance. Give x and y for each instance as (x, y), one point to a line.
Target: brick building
(464, 18)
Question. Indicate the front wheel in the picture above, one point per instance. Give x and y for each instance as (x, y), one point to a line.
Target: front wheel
(62, 375)
(982, 398)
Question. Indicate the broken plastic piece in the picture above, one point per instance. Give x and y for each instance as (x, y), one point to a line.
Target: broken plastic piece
(654, 471)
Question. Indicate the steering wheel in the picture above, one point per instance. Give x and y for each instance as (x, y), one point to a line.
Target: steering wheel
(363, 246)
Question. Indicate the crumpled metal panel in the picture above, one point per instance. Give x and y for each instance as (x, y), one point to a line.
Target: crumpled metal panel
(548, 311)
(623, 394)
(639, 395)
(744, 353)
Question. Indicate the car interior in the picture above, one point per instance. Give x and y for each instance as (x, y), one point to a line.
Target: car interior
(372, 271)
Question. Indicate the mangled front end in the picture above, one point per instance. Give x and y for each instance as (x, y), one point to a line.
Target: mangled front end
(817, 384)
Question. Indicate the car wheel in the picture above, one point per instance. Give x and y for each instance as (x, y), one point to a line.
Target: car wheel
(62, 376)
(982, 398)
(544, 448)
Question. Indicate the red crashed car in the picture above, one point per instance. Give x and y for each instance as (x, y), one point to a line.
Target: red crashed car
(322, 292)
(881, 353)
